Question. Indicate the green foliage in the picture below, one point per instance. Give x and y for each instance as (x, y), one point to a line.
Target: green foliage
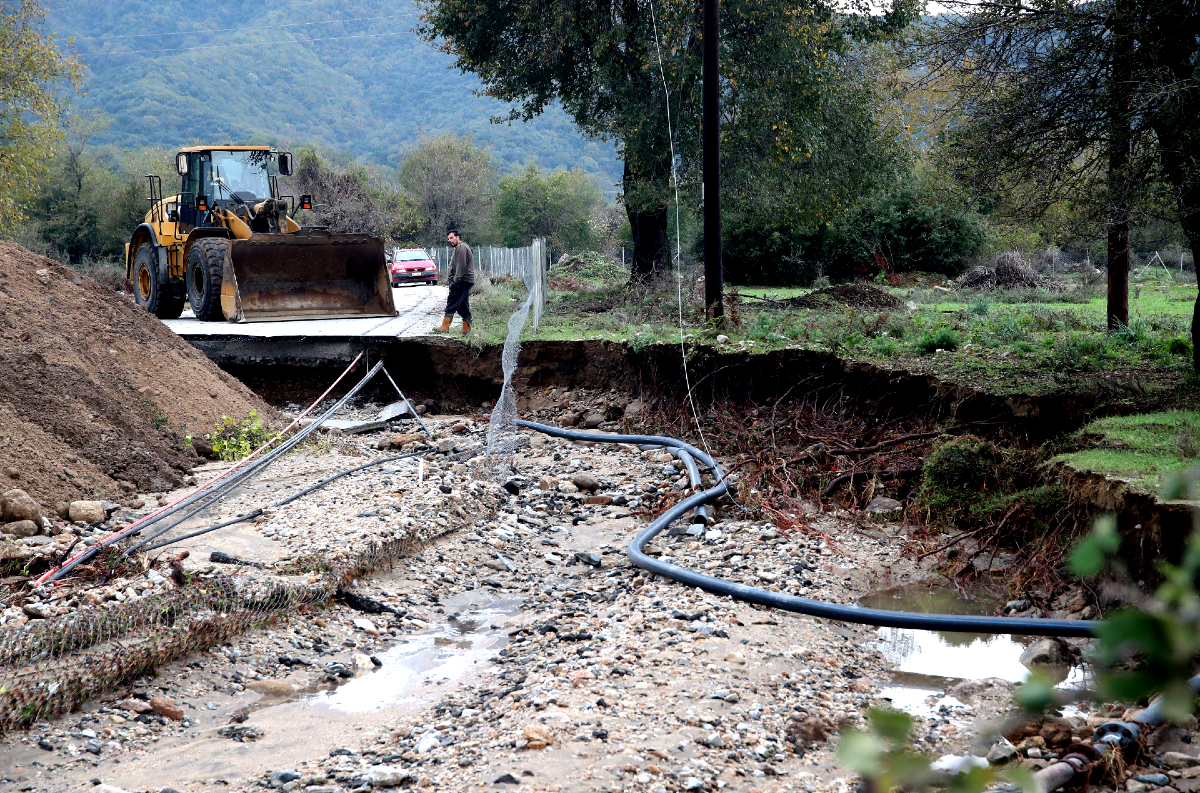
(1144, 449)
(449, 178)
(368, 85)
(900, 229)
(234, 440)
(589, 266)
(1149, 649)
(33, 75)
(884, 758)
(938, 339)
(351, 199)
(557, 206)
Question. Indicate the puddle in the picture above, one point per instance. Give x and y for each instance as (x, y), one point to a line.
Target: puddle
(449, 652)
(927, 662)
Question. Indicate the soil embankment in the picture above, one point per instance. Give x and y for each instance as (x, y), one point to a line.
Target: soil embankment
(98, 395)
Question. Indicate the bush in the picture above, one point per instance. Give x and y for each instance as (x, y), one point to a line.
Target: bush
(899, 230)
(938, 339)
(234, 440)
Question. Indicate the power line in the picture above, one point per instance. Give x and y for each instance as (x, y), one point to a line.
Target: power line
(86, 55)
(225, 30)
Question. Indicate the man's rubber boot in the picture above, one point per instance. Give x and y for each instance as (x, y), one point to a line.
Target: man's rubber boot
(445, 326)
(466, 327)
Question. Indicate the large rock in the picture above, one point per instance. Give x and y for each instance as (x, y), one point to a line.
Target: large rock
(1047, 652)
(389, 776)
(166, 708)
(20, 528)
(585, 482)
(400, 440)
(87, 511)
(18, 505)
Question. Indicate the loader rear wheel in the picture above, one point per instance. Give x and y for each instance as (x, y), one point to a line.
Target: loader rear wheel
(159, 299)
(205, 271)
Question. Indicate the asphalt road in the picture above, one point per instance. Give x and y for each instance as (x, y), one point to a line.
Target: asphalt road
(420, 310)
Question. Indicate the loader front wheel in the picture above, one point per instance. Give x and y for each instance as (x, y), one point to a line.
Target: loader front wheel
(148, 292)
(205, 270)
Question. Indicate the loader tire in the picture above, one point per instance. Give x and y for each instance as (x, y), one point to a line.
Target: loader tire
(205, 270)
(159, 299)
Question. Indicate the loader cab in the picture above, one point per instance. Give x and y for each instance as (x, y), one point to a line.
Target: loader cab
(227, 177)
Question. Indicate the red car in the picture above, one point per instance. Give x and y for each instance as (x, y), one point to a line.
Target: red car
(411, 266)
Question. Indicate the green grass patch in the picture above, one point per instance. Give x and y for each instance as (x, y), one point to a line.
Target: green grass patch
(1142, 448)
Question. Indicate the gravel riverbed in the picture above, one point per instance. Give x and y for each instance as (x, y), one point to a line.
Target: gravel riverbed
(515, 649)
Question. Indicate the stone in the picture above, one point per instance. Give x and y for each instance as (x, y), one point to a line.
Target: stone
(590, 559)
(548, 483)
(428, 744)
(389, 776)
(281, 778)
(365, 625)
(87, 511)
(1155, 780)
(585, 482)
(402, 439)
(539, 737)
(592, 421)
(203, 447)
(568, 487)
(506, 779)
(600, 501)
(18, 505)
(240, 732)
(271, 688)
(1047, 652)
(63, 510)
(1002, 753)
(1178, 761)
(33, 611)
(20, 528)
(634, 409)
(393, 411)
(106, 788)
(135, 705)
(882, 504)
(167, 709)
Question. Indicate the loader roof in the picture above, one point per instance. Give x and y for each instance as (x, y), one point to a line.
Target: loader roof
(226, 148)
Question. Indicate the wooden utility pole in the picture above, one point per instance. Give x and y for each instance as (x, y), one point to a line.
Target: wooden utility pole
(1119, 146)
(714, 276)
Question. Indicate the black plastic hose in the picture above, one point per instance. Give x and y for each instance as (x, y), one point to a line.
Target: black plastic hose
(1019, 626)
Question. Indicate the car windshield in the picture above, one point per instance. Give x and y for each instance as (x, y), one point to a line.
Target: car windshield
(243, 173)
(411, 256)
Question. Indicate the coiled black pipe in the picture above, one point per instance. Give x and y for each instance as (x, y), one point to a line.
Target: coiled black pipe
(1019, 626)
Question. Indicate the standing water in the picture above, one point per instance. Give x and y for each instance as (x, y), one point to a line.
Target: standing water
(926, 663)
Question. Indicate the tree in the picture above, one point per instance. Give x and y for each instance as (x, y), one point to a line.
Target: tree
(603, 65)
(33, 74)
(449, 178)
(558, 207)
(352, 201)
(1094, 104)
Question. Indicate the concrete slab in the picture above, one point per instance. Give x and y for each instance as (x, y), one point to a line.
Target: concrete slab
(420, 310)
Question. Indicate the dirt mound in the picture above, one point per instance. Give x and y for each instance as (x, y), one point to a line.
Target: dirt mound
(853, 295)
(96, 394)
(1010, 272)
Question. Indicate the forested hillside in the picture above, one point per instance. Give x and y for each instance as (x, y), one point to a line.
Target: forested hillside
(349, 75)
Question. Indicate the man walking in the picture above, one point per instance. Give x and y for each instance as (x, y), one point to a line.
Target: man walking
(462, 278)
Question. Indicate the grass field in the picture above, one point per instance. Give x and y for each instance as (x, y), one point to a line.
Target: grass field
(1143, 449)
(1026, 341)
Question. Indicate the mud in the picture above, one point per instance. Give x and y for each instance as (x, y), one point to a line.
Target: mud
(97, 395)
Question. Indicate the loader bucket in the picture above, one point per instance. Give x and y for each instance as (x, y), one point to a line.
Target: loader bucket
(310, 274)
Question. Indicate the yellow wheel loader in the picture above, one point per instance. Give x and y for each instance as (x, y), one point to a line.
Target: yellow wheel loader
(227, 244)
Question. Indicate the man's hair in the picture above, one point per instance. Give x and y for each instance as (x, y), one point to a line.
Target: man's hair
(453, 231)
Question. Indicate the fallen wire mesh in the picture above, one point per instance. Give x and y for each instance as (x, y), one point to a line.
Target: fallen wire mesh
(52, 666)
